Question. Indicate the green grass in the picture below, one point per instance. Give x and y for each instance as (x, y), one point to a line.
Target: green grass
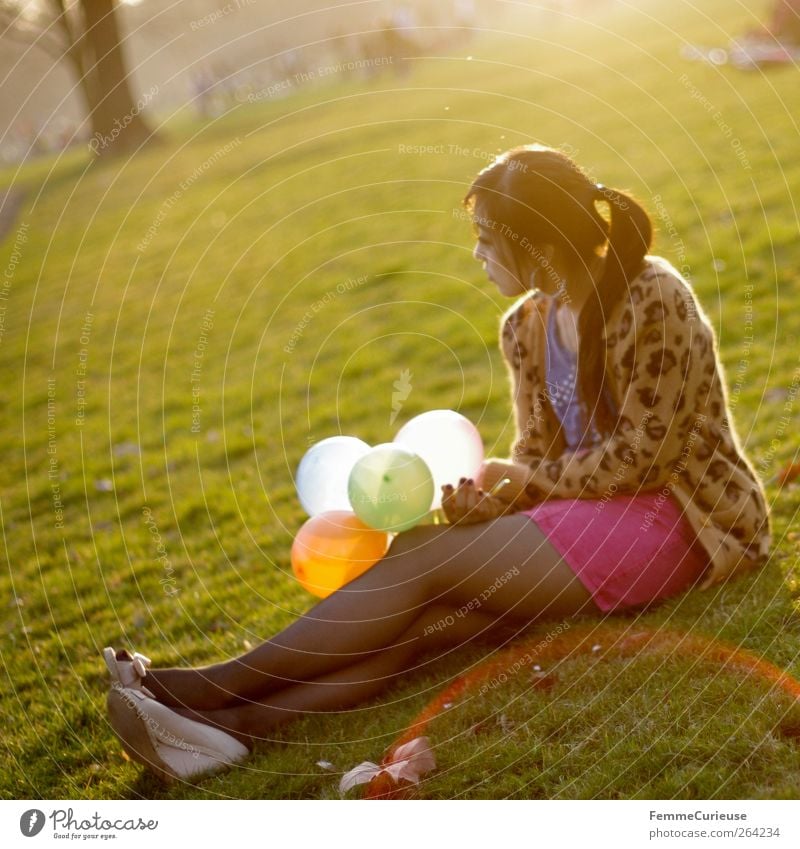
(313, 192)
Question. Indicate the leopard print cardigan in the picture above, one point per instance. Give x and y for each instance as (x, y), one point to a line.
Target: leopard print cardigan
(674, 431)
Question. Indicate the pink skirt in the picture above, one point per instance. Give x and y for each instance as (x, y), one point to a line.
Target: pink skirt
(628, 551)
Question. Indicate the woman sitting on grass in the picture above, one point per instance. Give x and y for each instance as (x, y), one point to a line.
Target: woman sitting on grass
(626, 484)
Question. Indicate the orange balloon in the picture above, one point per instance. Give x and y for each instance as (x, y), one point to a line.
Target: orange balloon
(334, 547)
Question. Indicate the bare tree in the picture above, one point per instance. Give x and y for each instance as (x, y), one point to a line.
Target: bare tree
(85, 35)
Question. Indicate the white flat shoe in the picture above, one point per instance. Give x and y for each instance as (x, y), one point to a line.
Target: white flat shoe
(127, 670)
(173, 746)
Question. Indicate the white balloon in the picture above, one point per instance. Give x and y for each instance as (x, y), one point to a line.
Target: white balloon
(323, 472)
(448, 442)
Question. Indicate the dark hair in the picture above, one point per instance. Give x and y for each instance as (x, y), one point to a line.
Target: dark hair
(532, 196)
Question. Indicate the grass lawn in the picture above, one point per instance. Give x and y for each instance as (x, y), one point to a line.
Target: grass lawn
(285, 263)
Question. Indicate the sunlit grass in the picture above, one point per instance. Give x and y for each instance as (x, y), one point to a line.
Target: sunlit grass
(302, 197)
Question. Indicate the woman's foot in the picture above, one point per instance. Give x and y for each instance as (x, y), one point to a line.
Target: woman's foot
(172, 746)
(126, 669)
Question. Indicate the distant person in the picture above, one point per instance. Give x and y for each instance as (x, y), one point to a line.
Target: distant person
(461, 18)
(626, 485)
(465, 13)
(403, 17)
(776, 43)
(342, 48)
(224, 87)
(202, 91)
(398, 40)
(290, 66)
(785, 22)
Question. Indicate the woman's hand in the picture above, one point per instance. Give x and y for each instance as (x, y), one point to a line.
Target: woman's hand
(508, 482)
(466, 504)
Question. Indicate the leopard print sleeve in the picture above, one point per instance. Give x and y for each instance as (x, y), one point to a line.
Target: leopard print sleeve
(518, 346)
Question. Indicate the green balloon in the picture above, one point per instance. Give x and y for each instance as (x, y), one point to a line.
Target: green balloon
(390, 488)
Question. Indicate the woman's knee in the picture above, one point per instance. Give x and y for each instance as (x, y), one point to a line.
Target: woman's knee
(434, 553)
(412, 556)
(419, 540)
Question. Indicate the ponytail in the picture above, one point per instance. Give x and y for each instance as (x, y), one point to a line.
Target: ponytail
(629, 240)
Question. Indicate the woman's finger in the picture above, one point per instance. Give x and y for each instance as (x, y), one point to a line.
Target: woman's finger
(466, 497)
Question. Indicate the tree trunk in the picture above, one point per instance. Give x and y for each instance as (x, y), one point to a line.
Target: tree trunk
(74, 53)
(117, 123)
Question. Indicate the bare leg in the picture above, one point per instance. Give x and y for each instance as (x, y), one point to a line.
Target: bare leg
(352, 684)
(505, 567)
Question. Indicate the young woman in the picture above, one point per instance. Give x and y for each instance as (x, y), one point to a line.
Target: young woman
(626, 484)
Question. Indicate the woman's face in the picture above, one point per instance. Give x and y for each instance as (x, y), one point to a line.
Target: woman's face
(497, 263)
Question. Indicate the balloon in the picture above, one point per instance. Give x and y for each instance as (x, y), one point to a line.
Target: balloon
(448, 442)
(390, 488)
(333, 548)
(323, 472)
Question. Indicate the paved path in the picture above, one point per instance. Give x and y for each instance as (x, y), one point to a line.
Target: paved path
(10, 205)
